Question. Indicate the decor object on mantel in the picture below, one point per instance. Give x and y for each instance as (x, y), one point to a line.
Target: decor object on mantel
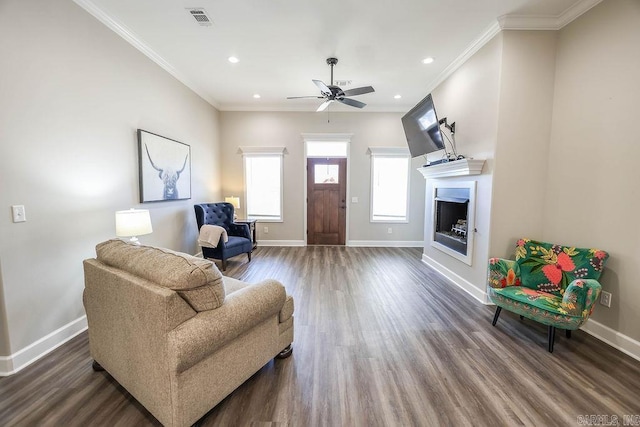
(461, 167)
(133, 223)
(551, 284)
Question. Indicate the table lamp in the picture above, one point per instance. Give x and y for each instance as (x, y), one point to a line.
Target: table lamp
(235, 201)
(133, 223)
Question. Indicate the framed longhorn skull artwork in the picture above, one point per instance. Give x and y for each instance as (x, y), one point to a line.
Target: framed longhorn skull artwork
(165, 168)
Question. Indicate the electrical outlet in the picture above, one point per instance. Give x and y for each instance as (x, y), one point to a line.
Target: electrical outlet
(354, 199)
(389, 230)
(605, 298)
(266, 230)
(19, 214)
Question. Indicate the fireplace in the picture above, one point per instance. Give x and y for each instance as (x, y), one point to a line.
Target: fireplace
(453, 219)
(450, 227)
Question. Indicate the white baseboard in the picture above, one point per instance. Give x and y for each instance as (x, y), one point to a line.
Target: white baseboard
(352, 243)
(280, 242)
(22, 358)
(457, 280)
(386, 243)
(615, 339)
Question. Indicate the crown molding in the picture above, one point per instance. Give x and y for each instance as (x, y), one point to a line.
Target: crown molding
(305, 108)
(514, 22)
(546, 22)
(576, 11)
(484, 38)
(135, 41)
(528, 22)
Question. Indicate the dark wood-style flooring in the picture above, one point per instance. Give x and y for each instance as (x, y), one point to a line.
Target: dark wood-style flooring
(380, 340)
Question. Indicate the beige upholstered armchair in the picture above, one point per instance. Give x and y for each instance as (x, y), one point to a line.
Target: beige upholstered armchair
(177, 334)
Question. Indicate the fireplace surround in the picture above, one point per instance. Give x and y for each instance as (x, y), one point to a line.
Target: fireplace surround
(453, 222)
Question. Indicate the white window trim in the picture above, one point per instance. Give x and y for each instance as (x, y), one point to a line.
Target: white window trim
(262, 150)
(327, 137)
(389, 152)
(401, 152)
(266, 152)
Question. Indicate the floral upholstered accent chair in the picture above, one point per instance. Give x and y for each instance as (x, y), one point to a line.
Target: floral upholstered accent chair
(551, 284)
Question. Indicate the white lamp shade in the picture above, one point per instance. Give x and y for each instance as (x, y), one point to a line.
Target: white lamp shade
(235, 201)
(134, 222)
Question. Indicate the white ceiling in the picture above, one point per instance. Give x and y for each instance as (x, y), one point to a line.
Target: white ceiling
(283, 44)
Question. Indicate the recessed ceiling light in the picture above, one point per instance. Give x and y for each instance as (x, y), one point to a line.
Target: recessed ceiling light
(256, 95)
(397, 97)
(233, 60)
(428, 60)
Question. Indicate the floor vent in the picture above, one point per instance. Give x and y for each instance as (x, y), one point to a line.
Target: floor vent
(201, 17)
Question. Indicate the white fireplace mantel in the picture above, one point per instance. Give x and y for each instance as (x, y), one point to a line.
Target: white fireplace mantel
(462, 167)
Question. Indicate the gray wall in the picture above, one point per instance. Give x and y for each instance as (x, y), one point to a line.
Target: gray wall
(470, 97)
(526, 99)
(285, 130)
(593, 195)
(72, 95)
(501, 101)
(4, 327)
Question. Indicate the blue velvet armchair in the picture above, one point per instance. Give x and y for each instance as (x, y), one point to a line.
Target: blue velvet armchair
(221, 214)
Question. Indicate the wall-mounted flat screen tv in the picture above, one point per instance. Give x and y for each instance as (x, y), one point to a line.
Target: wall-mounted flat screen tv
(422, 128)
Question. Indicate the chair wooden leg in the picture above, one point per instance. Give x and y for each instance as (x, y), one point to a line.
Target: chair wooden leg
(224, 265)
(249, 255)
(495, 316)
(568, 333)
(286, 352)
(552, 336)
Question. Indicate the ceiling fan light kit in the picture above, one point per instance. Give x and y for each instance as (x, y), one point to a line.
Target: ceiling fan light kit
(332, 92)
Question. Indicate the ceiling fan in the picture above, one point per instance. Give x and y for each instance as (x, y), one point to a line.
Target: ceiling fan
(332, 93)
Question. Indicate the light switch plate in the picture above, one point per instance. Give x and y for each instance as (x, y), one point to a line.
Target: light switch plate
(19, 214)
(605, 299)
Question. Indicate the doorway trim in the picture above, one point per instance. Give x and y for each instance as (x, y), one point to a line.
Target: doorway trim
(326, 137)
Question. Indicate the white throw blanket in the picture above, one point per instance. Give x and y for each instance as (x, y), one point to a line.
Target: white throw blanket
(210, 235)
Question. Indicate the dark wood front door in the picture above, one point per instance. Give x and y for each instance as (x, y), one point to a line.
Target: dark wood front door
(326, 201)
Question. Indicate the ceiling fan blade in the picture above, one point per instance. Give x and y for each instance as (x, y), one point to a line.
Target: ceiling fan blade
(359, 91)
(351, 102)
(324, 106)
(310, 96)
(323, 87)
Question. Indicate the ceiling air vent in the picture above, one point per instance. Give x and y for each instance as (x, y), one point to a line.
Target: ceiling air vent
(201, 17)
